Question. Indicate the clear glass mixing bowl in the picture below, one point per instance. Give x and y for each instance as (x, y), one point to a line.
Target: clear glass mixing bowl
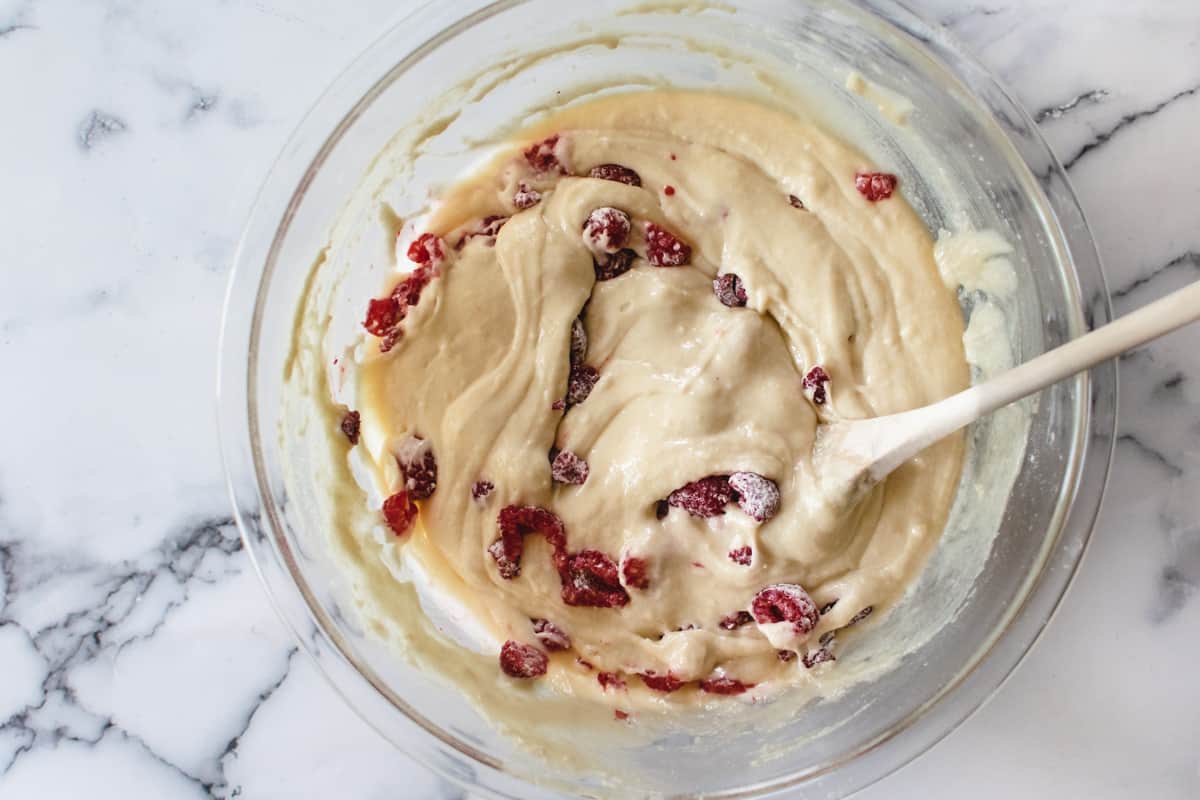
(967, 149)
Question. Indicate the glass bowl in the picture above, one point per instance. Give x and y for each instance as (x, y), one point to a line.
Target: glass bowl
(968, 155)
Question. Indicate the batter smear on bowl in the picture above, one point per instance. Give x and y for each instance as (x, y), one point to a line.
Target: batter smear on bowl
(591, 390)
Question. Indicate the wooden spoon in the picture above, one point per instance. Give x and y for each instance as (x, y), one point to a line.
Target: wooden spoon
(854, 455)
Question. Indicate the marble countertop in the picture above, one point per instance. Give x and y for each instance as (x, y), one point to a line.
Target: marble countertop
(139, 657)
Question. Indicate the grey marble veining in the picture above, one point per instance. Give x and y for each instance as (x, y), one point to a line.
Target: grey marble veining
(139, 656)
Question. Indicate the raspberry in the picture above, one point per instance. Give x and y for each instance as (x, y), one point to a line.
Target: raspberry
(558, 405)
(729, 290)
(526, 196)
(481, 490)
(785, 655)
(796, 203)
(706, 497)
(522, 660)
(579, 341)
(408, 291)
(735, 620)
(875, 186)
(383, 314)
(550, 635)
(757, 496)
(669, 191)
(416, 460)
(580, 383)
(661, 683)
(818, 656)
(665, 249)
(427, 249)
(590, 579)
(860, 616)
(615, 265)
(785, 602)
(606, 230)
(633, 570)
(517, 521)
(350, 426)
(399, 511)
(724, 685)
(544, 155)
(569, 468)
(616, 172)
(816, 386)
(611, 680)
(742, 555)
(488, 227)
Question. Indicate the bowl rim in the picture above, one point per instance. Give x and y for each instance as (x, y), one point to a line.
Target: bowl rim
(1078, 505)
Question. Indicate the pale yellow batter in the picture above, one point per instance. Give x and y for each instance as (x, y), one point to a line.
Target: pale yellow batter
(687, 387)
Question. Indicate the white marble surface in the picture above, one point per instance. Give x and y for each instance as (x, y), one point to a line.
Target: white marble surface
(138, 656)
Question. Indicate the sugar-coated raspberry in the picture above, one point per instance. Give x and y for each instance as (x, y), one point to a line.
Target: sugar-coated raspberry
(756, 495)
(399, 511)
(522, 660)
(579, 341)
(616, 172)
(736, 620)
(550, 635)
(786, 602)
(417, 463)
(349, 426)
(665, 249)
(706, 497)
(661, 683)
(613, 266)
(569, 468)
(816, 386)
(742, 555)
(580, 383)
(507, 557)
(590, 579)
(729, 290)
(875, 186)
(606, 230)
(526, 196)
(546, 155)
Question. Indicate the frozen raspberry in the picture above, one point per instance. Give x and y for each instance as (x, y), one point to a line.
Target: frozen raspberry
(399, 511)
(724, 685)
(785, 602)
(615, 172)
(816, 386)
(665, 249)
(818, 656)
(515, 523)
(706, 497)
(416, 460)
(544, 156)
(606, 230)
(611, 680)
(729, 290)
(350, 424)
(579, 341)
(613, 266)
(522, 660)
(408, 291)
(526, 196)
(736, 620)
(550, 635)
(785, 655)
(580, 384)
(634, 571)
(481, 489)
(661, 683)
(796, 203)
(590, 579)
(382, 315)
(742, 555)
(757, 496)
(569, 468)
(875, 186)
(427, 249)
(860, 616)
